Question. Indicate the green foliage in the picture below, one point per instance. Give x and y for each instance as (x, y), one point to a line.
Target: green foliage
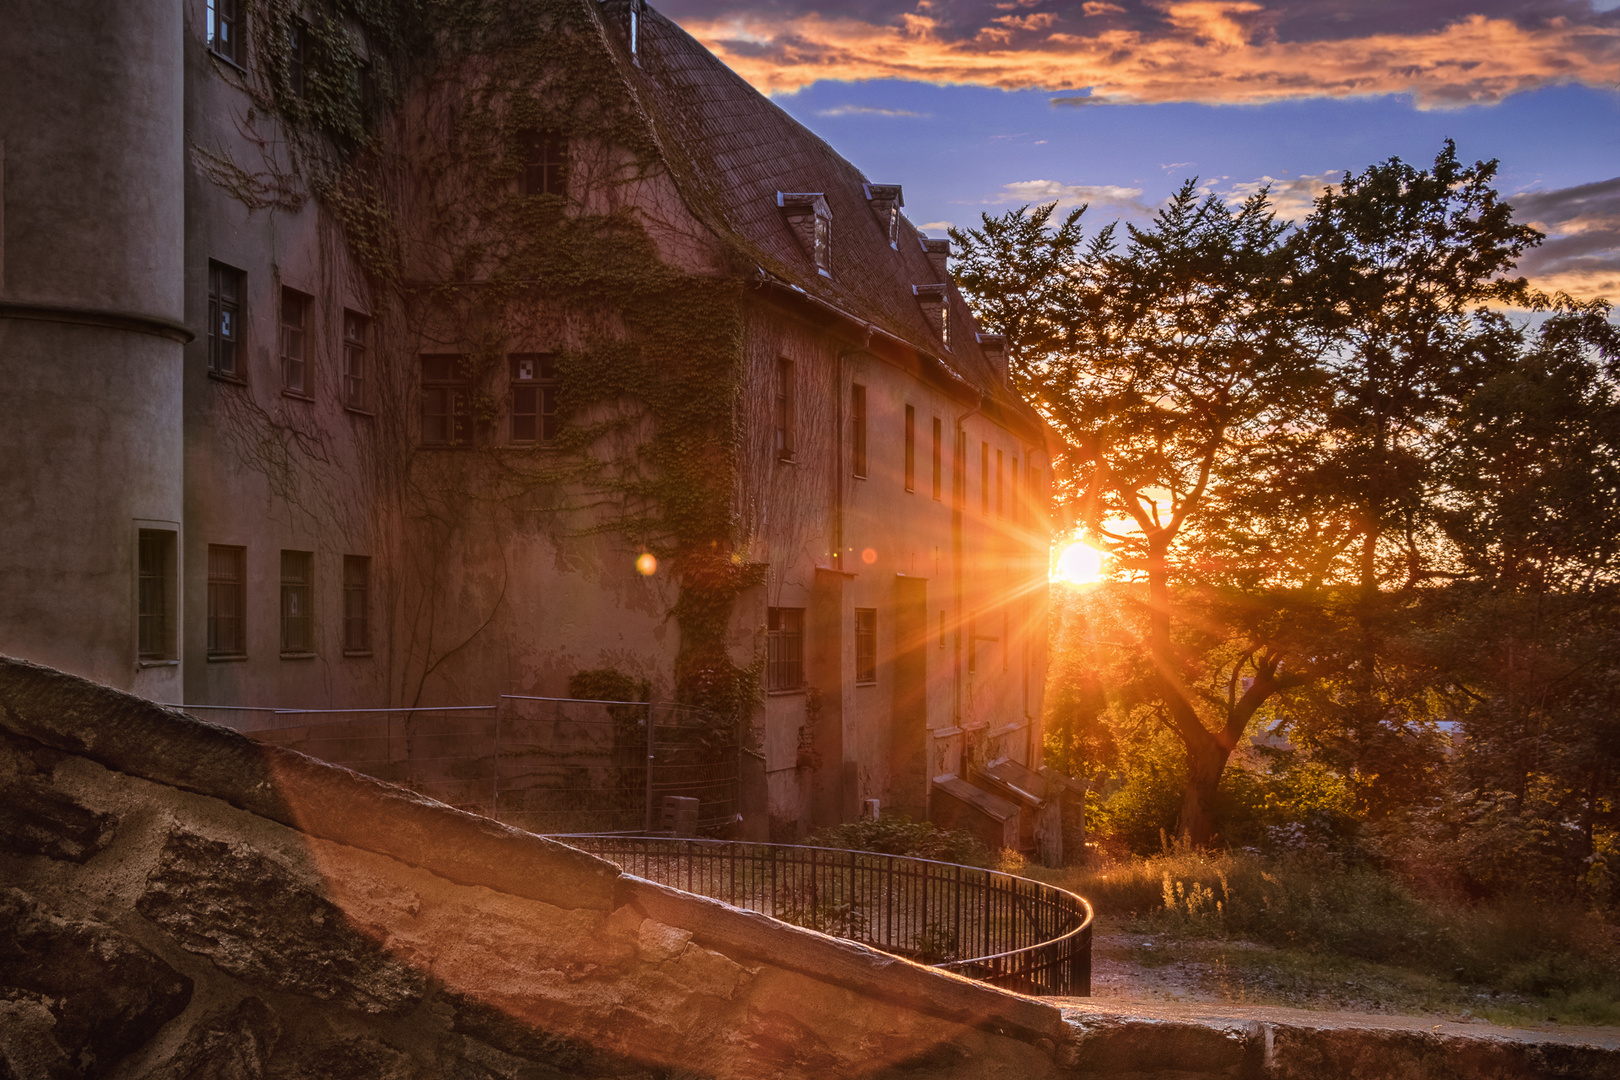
(608, 684)
(899, 835)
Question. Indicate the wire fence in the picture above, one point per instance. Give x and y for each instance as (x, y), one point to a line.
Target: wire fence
(1008, 931)
(543, 764)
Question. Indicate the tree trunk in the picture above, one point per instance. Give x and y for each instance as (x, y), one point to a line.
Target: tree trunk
(1205, 763)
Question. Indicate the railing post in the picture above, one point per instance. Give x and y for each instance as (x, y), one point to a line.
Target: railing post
(495, 766)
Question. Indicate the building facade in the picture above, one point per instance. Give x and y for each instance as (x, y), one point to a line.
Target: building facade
(359, 363)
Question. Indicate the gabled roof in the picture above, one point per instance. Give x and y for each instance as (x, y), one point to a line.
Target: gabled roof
(731, 150)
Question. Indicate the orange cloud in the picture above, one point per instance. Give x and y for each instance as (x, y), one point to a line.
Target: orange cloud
(1208, 50)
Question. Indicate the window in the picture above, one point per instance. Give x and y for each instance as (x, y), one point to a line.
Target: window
(446, 402)
(225, 289)
(227, 36)
(939, 437)
(959, 471)
(1012, 475)
(911, 448)
(784, 648)
(824, 244)
(294, 342)
(155, 594)
(866, 645)
(784, 409)
(984, 478)
(1006, 638)
(227, 601)
(545, 164)
(857, 426)
(534, 397)
(356, 336)
(1000, 472)
(297, 54)
(297, 618)
(356, 604)
(942, 628)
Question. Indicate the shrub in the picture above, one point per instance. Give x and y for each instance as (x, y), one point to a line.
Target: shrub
(899, 835)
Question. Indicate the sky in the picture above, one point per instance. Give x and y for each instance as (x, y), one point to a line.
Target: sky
(980, 106)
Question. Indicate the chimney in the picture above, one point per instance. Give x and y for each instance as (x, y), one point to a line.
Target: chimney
(995, 350)
(808, 215)
(886, 201)
(938, 252)
(935, 301)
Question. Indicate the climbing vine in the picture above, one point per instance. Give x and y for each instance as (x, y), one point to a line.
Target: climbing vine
(408, 128)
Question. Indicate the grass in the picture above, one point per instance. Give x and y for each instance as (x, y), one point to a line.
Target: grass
(1311, 932)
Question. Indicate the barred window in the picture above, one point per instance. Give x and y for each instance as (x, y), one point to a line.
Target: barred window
(534, 397)
(866, 645)
(297, 54)
(356, 603)
(446, 402)
(155, 594)
(939, 469)
(297, 607)
(294, 342)
(227, 600)
(356, 338)
(784, 648)
(225, 289)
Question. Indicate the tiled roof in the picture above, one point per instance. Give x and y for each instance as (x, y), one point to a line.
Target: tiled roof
(732, 150)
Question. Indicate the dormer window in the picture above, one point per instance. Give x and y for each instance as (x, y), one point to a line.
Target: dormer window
(545, 164)
(809, 217)
(886, 201)
(935, 302)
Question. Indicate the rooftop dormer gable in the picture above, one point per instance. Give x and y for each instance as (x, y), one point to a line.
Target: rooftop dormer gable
(807, 214)
(886, 201)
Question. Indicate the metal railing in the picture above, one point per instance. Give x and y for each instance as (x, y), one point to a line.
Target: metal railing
(542, 764)
(1004, 930)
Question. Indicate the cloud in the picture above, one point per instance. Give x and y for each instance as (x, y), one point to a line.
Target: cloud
(866, 110)
(1444, 53)
(1581, 254)
(1291, 198)
(1069, 195)
(935, 226)
(1098, 7)
(1076, 100)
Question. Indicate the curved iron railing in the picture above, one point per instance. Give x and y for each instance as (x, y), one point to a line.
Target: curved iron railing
(1008, 931)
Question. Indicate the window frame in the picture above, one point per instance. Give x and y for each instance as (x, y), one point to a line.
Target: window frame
(782, 418)
(1001, 472)
(357, 605)
(225, 24)
(857, 431)
(156, 581)
(866, 647)
(911, 448)
(984, 477)
(455, 419)
(784, 650)
(939, 458)
(227, 602)
(538, 380)
(297, 605)
(226, 342)
(356, 346)
(545, 164)
(297, 56)
(294, 337)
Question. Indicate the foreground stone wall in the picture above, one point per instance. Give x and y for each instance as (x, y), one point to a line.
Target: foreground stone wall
(180, 903)
(177, 901)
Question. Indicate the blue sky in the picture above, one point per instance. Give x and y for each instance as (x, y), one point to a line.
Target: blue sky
(980, 105)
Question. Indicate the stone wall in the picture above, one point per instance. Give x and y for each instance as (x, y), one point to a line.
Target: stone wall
(177, 901)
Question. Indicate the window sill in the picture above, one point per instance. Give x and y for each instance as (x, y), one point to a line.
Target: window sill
(220, 376)
(867, 682)
(797, 690)
(445, 446)
(222, 58)
(156, 663)
(226, 658)
(358, 410)
(296, 395)
(298, 656)
(358, 652)
(786, 460)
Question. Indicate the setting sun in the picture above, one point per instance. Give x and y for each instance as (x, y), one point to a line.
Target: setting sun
(1080, 564)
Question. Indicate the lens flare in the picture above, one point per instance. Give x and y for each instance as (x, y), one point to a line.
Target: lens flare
(646, 564)
(869, 556)
(1080, 564)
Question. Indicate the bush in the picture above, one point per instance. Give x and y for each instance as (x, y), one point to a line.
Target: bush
(899, 835)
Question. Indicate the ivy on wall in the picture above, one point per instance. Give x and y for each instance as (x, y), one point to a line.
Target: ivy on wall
(408, 132)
